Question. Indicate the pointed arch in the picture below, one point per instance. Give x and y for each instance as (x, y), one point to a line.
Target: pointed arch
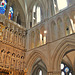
(33, 57)
(54, 30)
(61, 27)
(37, 43)
(32, 42)
(68, 26)
(63, 47)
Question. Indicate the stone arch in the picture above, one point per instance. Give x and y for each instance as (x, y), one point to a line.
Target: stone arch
(42, 28)
(33, 57)
(31, 14)
(62, 48)
(43, 8)
(37, 66)
(72, 19)
(68, 26)
(69, 62)
(37, 9)
(41, 4)
(60, 26)
(54, 30)
(42, 35)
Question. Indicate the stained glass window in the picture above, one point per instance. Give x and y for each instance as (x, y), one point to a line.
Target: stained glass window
(65, 69)
(62, 66)
(10, 14)
(3, 4)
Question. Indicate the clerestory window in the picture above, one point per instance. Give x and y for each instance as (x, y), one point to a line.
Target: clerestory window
(36, 15)
(62, 4)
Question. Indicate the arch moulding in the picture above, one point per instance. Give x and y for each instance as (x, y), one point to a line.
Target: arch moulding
(32, 58)
(63, 47)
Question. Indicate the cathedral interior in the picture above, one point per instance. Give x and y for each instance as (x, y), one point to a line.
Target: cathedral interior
(37, 37)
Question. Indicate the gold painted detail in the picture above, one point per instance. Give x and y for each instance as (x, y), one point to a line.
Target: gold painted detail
(1, 30)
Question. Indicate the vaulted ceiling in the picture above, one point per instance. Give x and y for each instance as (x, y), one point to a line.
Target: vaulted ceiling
(26, 4)
(70, 58)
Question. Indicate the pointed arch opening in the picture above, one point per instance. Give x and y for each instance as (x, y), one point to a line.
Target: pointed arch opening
(36, 14)
(39, 68)
(68, 63)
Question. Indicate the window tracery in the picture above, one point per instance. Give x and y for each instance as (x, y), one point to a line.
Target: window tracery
(65, 70)
(36, 14)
